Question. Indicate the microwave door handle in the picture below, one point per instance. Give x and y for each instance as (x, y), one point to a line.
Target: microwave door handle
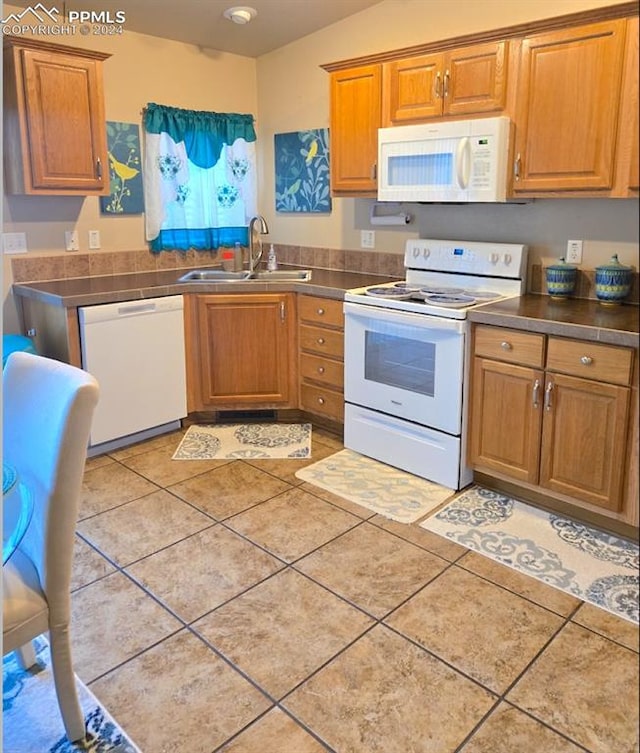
(463, 162)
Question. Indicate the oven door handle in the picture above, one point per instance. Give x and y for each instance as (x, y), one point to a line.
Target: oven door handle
(394, 316)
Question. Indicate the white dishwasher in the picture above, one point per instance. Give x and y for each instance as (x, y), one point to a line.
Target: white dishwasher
(136, 352)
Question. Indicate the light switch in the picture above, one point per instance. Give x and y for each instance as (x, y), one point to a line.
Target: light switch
(94, 239)
(72, 243)
(14, 243)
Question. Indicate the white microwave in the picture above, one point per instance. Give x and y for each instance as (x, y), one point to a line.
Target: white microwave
(448, 161)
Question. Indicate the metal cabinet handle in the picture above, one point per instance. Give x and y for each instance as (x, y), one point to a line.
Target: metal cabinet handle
(506, 345)
(320, 369)
(374, 171)
(536, 393)
(283, 311)
(320, 341)
(99, 168)
(517, 165)
(320, 312)
(547, 396)
(321, 400)
(437, 86)
(586, 360)
(446, 84)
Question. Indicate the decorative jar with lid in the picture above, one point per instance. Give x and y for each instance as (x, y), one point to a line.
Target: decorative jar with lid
(561, 279)
(613, 282)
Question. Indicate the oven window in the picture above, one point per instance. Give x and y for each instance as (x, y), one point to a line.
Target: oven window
(400, 362)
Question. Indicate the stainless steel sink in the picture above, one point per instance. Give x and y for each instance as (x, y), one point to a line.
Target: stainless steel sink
(214, 275)
(262, 275)
(301, 275)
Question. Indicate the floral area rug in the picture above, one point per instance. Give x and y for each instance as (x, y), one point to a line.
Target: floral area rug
(376, 486)
(245, 441)
(31, 721)
(586, 562)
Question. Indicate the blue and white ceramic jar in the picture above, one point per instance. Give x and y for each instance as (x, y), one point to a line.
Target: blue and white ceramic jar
(613, 282)
(561, 280)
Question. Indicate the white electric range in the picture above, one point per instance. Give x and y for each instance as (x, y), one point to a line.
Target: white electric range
(407, 354)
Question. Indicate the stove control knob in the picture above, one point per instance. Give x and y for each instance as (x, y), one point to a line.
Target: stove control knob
(507, 258)
(426, 253)
(493, 258)
(416, 252)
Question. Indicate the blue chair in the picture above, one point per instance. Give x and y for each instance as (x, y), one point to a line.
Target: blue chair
(12, 343)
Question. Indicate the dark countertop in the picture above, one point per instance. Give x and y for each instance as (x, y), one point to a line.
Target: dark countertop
(88, 291)
(579, 318)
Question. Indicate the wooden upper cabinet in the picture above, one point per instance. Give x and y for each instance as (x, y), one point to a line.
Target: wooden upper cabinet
(567, 113)
(627, 180)
(55, 130)
(465, 81)
(355, 119)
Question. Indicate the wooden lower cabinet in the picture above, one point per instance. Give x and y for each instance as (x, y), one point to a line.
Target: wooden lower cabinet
(561, 428)
(241, 351)
(321, 356)
(583, 439)
(505, 422)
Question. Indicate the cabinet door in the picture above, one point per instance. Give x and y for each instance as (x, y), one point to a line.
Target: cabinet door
(355, 119)
(475, 79)
(506, 407)
(245, 350)
(413, 89)
(567, 114)
(61, 109)
(584, 439)
(627, 177)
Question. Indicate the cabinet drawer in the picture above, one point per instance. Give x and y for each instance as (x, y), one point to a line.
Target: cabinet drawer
(604, 363)
(511, 345)
(323, 401)
(324, 311)
(321, 369)
(319, 340)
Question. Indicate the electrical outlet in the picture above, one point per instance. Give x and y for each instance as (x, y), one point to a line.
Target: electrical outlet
(14, 243)
(574, 252)
(367, 239)
(94, 239)
(71, 240)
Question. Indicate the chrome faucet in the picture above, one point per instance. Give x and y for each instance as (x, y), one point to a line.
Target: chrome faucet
(263, 229)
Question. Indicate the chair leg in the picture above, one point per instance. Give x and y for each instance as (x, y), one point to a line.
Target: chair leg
(65, 683)
(26, 655)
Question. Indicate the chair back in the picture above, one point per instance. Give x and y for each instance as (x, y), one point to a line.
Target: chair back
(47, 411)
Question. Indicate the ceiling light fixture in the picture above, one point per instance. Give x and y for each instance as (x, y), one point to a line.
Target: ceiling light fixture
(240, 14)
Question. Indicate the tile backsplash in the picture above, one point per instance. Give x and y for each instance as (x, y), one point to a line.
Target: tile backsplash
(60, 267)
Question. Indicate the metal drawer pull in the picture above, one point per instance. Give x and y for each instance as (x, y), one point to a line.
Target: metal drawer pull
(320, 312)
(321, 400)
(320, 369)
(517, 166)
(536, 392)
(436, 86)
(320, 341)
(547, 396)
(586, 360)
(505, 345)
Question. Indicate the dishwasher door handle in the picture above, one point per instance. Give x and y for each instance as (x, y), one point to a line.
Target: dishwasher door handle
(136, 308)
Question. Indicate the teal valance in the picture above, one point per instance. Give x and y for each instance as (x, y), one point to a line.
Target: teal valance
(204, 133)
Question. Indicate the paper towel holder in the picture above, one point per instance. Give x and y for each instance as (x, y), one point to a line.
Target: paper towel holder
(400, 218)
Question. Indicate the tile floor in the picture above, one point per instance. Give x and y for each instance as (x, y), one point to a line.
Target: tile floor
(225, 606)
